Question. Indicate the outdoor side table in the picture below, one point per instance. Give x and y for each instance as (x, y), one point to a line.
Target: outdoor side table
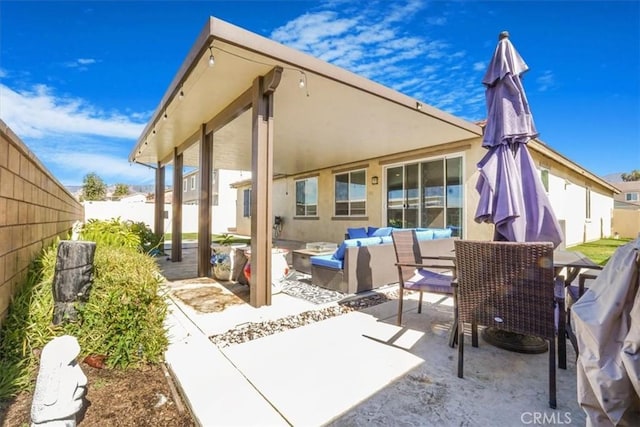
(302, 258)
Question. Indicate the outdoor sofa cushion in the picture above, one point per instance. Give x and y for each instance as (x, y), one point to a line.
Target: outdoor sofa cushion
(382, 232)
(336, 259)
(327, 261)
(357, 233)
(425, 234)
(441, 233)
(348, 243)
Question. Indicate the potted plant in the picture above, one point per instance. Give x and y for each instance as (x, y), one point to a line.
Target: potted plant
(223, 254)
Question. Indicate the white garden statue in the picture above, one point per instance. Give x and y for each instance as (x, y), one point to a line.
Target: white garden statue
(60, 386)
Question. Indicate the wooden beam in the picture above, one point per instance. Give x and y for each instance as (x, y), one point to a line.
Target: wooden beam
(261, 194)
(176, 207)
(238, 106)
(158, 221)
(204, 203)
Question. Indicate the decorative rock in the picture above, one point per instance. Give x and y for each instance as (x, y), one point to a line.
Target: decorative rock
(72, 278)
(60, 386)
(251, 331)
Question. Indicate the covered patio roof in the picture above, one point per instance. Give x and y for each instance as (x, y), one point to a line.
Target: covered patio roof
(243, 102)
(337, 117)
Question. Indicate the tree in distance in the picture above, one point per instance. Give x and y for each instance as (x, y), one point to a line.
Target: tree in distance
(93, 187)
(633, 176)
(120, 191)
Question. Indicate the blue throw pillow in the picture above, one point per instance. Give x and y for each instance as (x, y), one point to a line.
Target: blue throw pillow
(442, 233)
(339, 253)
(371, 230)
(357, 233)
(384, 231)
(424, 235)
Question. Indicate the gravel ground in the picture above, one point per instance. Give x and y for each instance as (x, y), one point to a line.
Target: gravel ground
(256, 330)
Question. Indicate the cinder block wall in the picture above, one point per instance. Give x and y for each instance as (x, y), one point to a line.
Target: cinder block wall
(34, 209)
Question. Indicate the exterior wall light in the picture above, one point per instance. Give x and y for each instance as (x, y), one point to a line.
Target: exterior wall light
(374, 180)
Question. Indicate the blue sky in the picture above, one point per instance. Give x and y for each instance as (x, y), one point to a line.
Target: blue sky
(79, 79)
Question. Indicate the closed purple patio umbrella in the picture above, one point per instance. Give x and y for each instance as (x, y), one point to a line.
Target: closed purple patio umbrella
(512, 196)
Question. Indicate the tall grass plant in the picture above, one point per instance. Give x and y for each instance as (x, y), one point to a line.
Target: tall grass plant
(122, 319)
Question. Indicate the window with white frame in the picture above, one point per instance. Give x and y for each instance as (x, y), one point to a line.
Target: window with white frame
(631, 197)
(350, 197)
(184, 185)
(544, 177)
(588, 203)
(193, 182)
(307, 197)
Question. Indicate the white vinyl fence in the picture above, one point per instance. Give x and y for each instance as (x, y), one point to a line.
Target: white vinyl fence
(223, 218)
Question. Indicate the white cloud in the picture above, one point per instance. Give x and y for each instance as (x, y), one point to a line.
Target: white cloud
(80, 64)
(71, 167)
(479, 66)
(375, 42)
(546, 81)
(437, 20)
(72, 137)
(38, 113)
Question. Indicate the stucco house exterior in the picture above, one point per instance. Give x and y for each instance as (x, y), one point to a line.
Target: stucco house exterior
(629, 194)
(328, 149)
(626, 212)
(430, 189)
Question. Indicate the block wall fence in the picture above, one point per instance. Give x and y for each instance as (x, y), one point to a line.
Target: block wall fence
(34, 209)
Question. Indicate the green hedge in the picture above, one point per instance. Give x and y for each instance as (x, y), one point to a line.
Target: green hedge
(122, 319)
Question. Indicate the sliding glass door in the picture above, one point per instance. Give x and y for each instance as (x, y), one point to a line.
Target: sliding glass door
(425, 194)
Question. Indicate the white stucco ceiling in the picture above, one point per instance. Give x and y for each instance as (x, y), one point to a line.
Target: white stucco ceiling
(337, 118)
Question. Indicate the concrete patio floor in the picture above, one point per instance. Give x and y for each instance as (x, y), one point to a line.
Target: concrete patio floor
(356, 369)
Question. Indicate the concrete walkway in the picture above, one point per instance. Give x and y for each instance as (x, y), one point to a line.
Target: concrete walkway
(357, 369)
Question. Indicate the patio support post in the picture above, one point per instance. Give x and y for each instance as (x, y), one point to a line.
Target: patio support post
(204, 203)
(158, 223)
(261, 183)
(176, 207)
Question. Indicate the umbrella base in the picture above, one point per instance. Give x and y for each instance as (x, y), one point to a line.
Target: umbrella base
(514, 342)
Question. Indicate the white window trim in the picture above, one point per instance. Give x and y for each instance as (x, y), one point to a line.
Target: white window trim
(445, 157)
(193, 182)
(545, 170)
(350, 200)
(185, 185)
(295, 186)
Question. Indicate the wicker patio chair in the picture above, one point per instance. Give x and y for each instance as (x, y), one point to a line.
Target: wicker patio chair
(508, 286)
(416, 275)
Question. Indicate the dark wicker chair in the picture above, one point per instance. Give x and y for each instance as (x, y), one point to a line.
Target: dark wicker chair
(416, 275)
(508, 286)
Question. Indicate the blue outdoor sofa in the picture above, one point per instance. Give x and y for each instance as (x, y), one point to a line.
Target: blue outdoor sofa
(367, 259)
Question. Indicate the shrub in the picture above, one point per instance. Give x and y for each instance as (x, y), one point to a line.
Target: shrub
(116, 232)
(149, 241)
(27, 326)
(124, 316)
(110, 233)
(122, 319)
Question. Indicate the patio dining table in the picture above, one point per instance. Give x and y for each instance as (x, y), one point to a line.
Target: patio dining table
(567, 266)
(572, 262)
